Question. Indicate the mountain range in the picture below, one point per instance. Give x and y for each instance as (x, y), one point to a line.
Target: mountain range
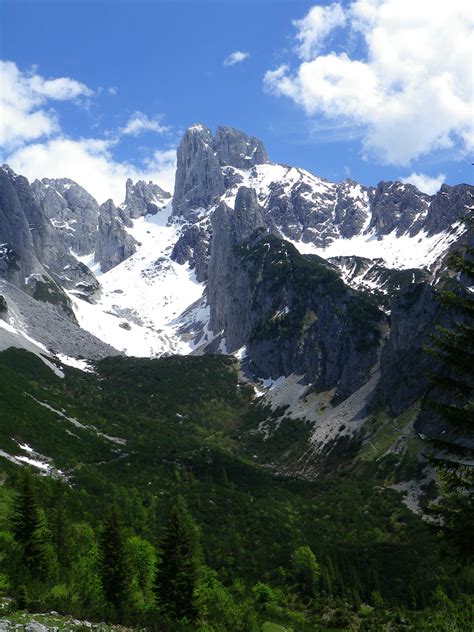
(324, 292)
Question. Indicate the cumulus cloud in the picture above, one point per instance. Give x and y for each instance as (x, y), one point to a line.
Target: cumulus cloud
(315, 27)
(411, 94)
(425, 183)
(139, 123)
(89, 161)
(24, 98)
(34, 144)
(236, 58)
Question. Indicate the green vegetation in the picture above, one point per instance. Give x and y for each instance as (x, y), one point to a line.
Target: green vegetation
(163, 489)
(3, 304)
(304, 280)
(454, 345)
(48, 291)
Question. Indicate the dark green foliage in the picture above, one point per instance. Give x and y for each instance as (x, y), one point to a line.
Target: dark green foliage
(3, 304)
(454, 345)
(305, 571)
(114, 563)
(189, 428)
(277, 265)
(177, 570)
(30, 531)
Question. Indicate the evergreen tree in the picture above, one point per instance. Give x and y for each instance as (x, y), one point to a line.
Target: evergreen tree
(177, 569)
(306, 571)
(115, 568)
(30, 530)
(454, 345)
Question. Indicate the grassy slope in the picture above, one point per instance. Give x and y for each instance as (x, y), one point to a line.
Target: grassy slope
(182, 418)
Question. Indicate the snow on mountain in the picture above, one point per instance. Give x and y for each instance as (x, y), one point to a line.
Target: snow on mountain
(143, 297)
(402, 252)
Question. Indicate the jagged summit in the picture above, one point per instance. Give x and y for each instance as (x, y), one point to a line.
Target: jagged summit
(201, 157)
(144, 198)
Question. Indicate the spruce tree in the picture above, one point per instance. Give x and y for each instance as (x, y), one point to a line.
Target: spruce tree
(454, 345)
(115, 568)
(30, 530)
(177, 568)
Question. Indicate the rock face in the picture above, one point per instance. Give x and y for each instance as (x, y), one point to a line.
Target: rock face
(72, 211)
(144, 199)
(35, 256)
(404, 364)
(114, 243)
(397, 206)
(200, 158)
(293, 312)
(236, 149)
(192, 247)
(229, 290)
(18, 259)
(449, 205)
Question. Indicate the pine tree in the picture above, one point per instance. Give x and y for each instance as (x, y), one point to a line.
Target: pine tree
(454, 345)
(177, 569)
(30, 531)
(115, 569)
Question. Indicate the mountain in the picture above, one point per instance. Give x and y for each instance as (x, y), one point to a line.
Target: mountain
(251, 350)
(325, 292)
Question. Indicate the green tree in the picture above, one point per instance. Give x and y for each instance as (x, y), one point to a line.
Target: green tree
(177, 568)
(30, 531)
(86, 569)
(142, 558)
(454, 346)
(305, 570)
(114, 562)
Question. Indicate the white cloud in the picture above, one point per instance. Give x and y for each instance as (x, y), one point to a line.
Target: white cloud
(140, 122)
(425, 183)
(414, 91)
(34, 145)
(90, 163)
(236, 58)
(23, 103)
(315, 27)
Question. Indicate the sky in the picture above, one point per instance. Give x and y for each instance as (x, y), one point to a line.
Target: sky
(102, 90)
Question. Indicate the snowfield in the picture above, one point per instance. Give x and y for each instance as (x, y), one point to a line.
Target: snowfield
(143, 297)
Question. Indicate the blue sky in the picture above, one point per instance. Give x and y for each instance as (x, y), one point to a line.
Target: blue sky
(165, 60)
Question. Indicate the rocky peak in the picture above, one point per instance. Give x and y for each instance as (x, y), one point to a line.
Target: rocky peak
(199, 181)
(114, 243)
(72, 211)
(236, 149)
(397, 206)
(201, 160)
(449, 206)
(144, 198)
(248, 215)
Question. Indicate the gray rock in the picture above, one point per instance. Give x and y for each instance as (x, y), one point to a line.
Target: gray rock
(192, 247)
(397, 206)
(228, 286)
(201, 162)
(72, 210)
(199, 181)
(51, 328)
(293, 312)
(34, 626)
(448, 206)
(17, 253)
(32, 251)
(236, 149)
(114, 243)
(144, 199)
